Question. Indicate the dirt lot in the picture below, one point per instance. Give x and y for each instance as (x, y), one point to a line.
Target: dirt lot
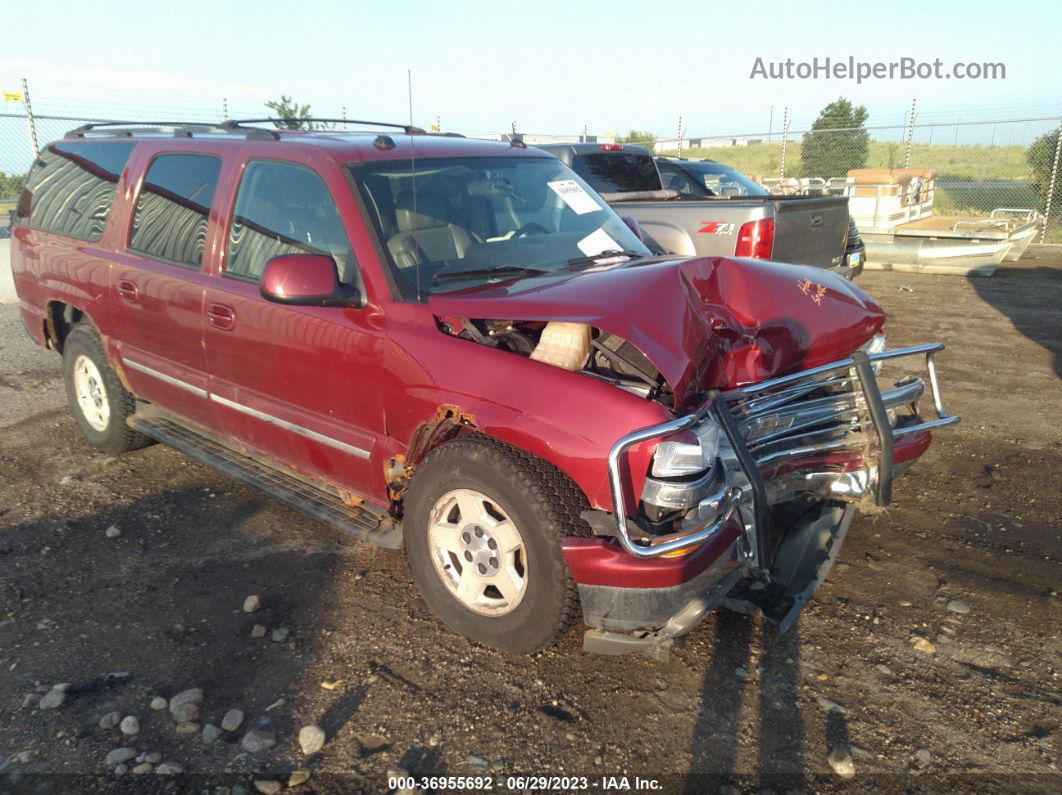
(976, 525)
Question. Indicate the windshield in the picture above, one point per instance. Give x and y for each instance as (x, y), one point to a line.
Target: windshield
(721, 180)
(451, 223)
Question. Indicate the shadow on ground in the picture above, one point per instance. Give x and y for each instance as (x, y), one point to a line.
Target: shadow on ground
(1030, 297)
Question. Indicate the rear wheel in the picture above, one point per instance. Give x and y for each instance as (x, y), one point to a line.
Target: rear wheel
(98, 400)
(483, 524)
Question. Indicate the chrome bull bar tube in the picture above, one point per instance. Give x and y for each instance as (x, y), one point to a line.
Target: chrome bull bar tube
(717, 405)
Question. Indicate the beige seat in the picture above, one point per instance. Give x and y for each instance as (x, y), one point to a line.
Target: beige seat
(425, 233)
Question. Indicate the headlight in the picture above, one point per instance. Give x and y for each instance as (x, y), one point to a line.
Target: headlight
(675, 459)
(875, 344)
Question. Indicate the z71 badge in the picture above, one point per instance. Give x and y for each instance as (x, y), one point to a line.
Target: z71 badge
(717, 228)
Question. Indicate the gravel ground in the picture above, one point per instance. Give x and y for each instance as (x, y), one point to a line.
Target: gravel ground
(930, 659)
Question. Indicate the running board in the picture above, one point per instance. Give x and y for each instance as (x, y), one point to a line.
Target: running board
(361, 522)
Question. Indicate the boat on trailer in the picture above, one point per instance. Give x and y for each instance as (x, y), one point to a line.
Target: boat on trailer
(893, 209)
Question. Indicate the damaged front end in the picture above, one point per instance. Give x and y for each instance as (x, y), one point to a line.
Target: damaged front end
(795, 457)
(751, 485)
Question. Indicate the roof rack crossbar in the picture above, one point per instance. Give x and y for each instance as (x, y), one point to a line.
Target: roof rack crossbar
(408, 129)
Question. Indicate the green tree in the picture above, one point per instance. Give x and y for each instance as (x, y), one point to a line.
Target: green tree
(1041, 157)
(11, 185)
(643, 137)
(290, 114)
(837, 141)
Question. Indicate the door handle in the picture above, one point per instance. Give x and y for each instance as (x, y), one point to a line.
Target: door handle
(221, 316)
(127, 290)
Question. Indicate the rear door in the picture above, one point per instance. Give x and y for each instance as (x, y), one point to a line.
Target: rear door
(296, 383)
(158, 280)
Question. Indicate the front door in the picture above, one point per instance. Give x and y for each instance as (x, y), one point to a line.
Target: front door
(294, 383)
(157, 285)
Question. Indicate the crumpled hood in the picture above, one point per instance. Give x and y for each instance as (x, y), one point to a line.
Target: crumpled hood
(705, 323)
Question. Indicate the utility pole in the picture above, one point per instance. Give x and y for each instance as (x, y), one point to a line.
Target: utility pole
(910, 132)
(224, 108)
(770, 124)
(1051, 184)
(678, 140)
(785, 136)
(409, 85)
(30, 125)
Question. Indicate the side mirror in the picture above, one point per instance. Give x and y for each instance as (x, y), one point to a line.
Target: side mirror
(306, 280)
(635, 227)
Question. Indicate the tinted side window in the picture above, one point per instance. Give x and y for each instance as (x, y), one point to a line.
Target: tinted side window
(674, 179)
(616, 172)
(283, 208)
(70, 188)
(170, 220)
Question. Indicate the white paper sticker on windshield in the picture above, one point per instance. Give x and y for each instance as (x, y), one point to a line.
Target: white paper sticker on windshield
(574, 196)
(596, 242)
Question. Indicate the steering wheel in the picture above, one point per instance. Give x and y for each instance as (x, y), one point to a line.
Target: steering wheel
(531, 228)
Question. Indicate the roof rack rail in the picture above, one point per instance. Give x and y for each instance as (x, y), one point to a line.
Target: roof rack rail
(237, 124)
(130, 127)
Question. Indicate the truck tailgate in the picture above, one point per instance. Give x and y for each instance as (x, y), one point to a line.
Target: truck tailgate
(810, 229)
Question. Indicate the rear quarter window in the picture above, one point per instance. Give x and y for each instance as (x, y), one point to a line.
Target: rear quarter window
(617, 172)
(71, 187)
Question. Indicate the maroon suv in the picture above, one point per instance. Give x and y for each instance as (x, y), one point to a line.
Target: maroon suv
(457, 347)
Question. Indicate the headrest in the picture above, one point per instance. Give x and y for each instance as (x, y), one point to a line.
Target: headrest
(430, 211)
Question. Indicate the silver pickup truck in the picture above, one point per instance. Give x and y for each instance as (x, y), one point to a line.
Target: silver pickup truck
(703, 208)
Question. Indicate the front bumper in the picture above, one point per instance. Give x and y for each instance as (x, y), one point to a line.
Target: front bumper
(780, 438)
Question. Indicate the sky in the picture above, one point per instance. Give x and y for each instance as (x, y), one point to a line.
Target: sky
(550, 67)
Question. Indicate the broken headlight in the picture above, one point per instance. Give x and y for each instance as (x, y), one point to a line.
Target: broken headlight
(690, 455)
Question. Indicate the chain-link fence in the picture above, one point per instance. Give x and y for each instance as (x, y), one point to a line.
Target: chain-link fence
(980, 166)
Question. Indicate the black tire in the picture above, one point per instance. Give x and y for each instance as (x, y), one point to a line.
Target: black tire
(116, 437)
(543, 504)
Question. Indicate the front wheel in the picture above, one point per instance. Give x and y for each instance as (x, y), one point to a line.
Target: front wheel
(483, 524)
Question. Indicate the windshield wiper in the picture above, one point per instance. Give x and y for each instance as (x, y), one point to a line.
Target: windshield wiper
(501, 271)
(595, 258)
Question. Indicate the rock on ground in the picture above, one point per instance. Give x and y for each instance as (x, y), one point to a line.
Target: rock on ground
(53, 699)
(841, 762)
(130, 725)
(211, 733)
(268, 786)
(958, 606)
(191, 696)
(251, 603)
(232, 720)
(158, 702)
(110, 720)
(923, 645)
(119, 755)
(258, 740)
(169, 769)
(298, 776)
(311, 739)
(188, 711)
(142, 768)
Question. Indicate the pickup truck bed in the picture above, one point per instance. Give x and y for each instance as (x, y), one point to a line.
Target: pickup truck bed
(702, 208)
(807, 230)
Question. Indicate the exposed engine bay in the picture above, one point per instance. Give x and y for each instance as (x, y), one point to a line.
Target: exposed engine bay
(570, 346)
